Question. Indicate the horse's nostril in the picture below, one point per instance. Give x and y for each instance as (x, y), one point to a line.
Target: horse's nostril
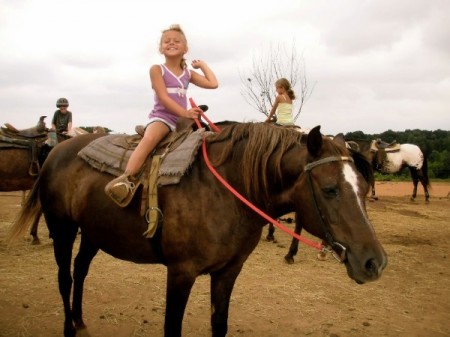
(372, 267)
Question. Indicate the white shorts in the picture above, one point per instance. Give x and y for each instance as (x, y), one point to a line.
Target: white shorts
(158, 119)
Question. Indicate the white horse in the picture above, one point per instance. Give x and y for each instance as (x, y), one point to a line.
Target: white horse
(393, 158)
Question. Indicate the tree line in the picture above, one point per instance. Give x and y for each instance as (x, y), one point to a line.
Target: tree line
(435, 146)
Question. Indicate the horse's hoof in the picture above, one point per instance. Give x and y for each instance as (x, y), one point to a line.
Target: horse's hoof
(322, 256)
(79, 325)
(35, 241)
(289, 259)
(271, 238)
(70, 331)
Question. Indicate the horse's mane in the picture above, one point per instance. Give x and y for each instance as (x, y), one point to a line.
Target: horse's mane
(363, 166)
(263, 142)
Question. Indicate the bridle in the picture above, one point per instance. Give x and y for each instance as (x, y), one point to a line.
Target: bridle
(338, 250)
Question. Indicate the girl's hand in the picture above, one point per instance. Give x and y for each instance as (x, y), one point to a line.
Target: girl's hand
(197, 64)
(193, 113)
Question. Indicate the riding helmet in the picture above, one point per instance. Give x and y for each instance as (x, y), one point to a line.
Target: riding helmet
(61, 102)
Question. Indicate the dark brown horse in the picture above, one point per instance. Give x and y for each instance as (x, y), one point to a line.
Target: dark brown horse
(204, 228)
(15, 176)
(22, 159)
(22, 154)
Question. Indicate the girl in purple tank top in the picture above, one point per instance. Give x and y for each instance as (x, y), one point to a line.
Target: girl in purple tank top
(169, 82)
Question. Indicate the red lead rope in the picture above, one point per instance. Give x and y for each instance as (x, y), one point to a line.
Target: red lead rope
(239, 196)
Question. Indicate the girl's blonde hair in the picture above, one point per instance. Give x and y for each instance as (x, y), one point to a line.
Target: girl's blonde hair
(175, 28)
(282, 82)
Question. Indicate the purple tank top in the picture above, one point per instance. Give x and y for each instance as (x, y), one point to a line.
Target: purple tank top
(177, 89)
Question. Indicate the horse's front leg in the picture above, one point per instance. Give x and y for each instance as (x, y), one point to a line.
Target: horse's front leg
(179, 285)
(293, 249)
(271, 233)
(373, 196)
(222, 283)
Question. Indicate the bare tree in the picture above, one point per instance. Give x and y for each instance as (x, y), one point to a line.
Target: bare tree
(259, 84)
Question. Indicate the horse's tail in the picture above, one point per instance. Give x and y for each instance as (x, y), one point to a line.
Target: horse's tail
(26, 215)
(426, 180)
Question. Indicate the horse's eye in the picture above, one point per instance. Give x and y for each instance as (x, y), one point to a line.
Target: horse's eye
(330, 192)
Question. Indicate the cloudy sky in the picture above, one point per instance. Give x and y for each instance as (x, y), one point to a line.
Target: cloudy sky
(375, 64)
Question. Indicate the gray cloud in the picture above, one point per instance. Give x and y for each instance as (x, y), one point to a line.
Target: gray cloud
(377, 65)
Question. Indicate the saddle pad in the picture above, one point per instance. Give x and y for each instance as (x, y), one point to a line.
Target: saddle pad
(111, 153)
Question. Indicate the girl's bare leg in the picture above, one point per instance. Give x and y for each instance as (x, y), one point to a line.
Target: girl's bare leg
(121, 189)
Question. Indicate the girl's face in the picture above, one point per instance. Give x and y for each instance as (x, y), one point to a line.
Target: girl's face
(280, 90)
(173, 43)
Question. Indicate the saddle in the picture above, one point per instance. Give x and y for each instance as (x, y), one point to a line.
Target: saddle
(38, 131)
(381, 148)
(32, 138)
(166, 165)
(380, 144)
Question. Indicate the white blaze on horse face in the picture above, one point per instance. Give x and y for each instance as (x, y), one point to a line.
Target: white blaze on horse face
(352, 179)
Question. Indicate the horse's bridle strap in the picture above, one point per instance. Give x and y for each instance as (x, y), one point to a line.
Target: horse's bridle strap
(340, 250)
(310, 166)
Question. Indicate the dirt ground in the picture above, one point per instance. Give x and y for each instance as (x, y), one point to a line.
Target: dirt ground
(270, 299)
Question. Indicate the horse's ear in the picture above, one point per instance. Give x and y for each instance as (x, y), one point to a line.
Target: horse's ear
(339, 139)
(314, 141)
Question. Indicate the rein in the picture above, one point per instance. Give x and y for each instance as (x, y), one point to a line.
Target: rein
(341, 250)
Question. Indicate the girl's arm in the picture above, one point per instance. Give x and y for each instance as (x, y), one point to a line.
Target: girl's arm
(161, 91)
(208, 80)
(274, 108)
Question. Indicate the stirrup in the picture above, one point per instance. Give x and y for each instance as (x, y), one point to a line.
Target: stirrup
(120, 190)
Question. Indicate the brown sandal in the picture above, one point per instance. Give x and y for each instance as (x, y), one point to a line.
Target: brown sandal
(121, 190)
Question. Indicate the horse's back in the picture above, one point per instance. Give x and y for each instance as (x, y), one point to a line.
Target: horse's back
(412, 155)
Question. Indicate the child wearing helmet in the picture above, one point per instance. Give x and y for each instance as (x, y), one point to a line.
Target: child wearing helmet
(62, 118)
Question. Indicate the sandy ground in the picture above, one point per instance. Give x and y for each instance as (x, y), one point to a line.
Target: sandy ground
(271, 298)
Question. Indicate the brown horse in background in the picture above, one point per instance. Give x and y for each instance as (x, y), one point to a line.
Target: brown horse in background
(22, 155)
(204, 228)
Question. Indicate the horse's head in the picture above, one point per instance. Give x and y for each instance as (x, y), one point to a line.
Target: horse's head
(330, 201)
(319, 180)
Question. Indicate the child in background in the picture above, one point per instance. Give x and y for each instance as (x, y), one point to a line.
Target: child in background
(283, 103)
(62, 118)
